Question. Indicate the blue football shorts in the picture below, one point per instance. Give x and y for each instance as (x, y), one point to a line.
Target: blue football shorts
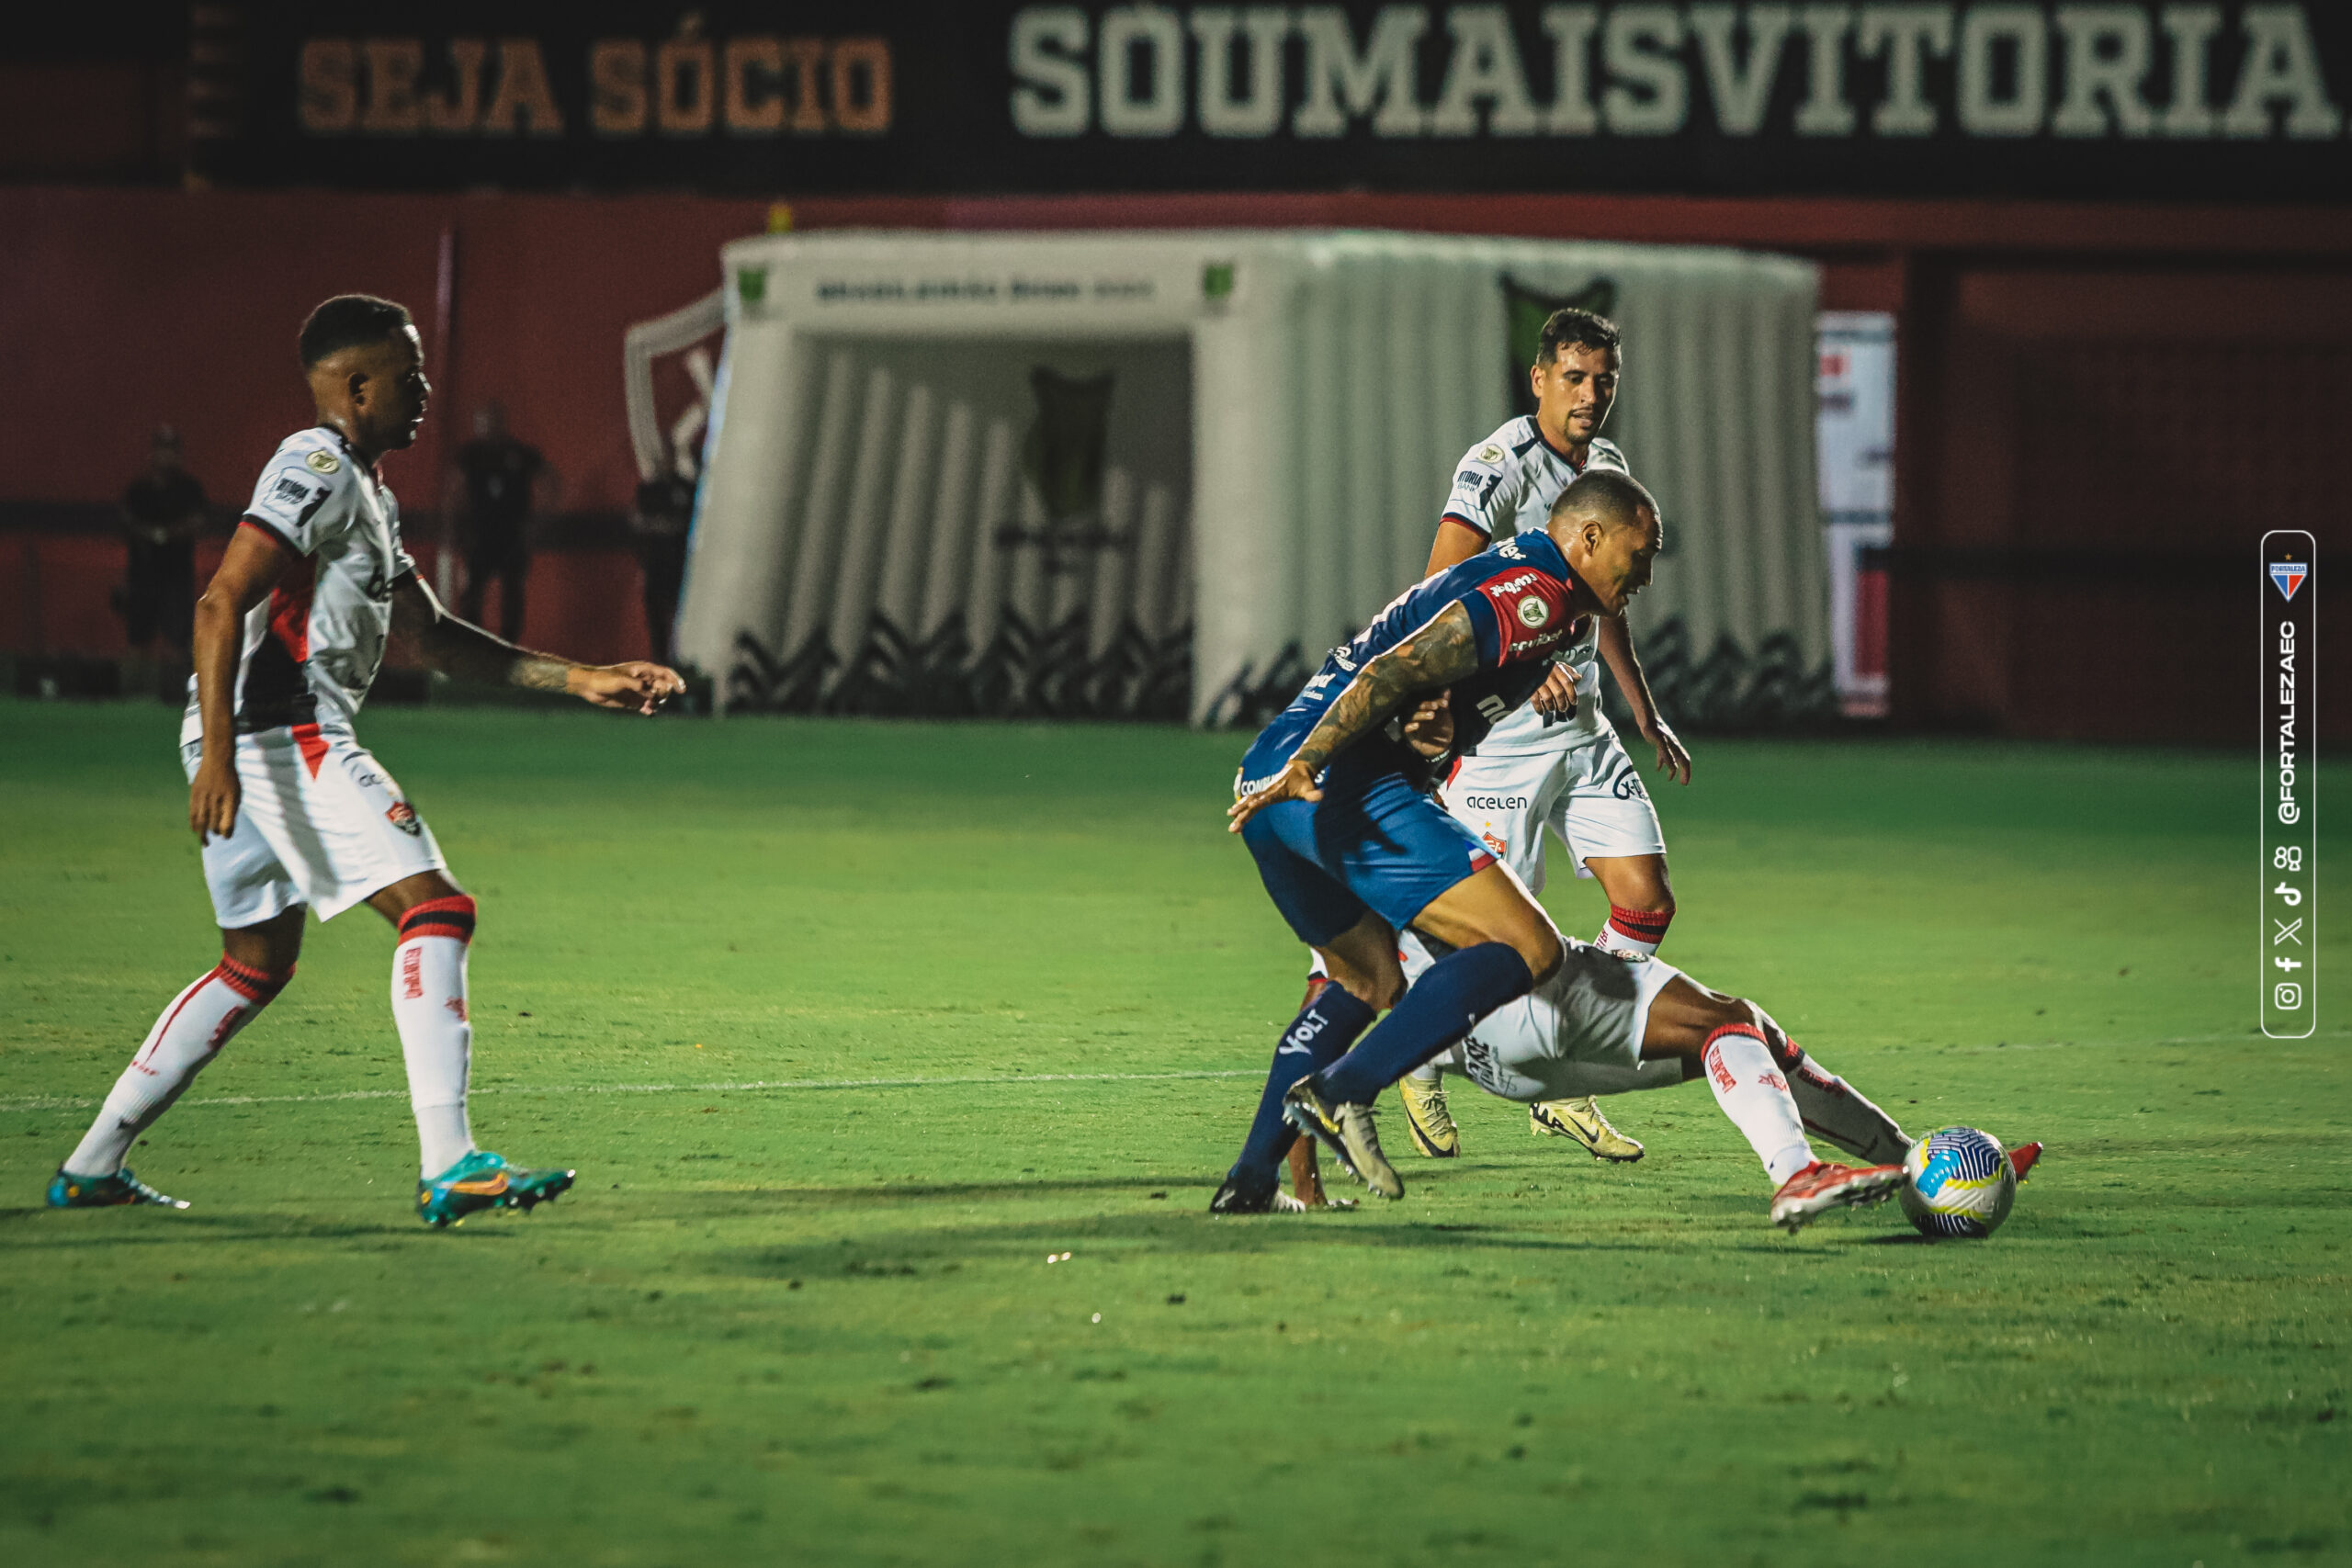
(1371, 842)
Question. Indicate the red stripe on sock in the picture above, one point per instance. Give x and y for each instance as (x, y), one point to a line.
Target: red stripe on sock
(254, 984)
(173, 1017)
(457, 903)
(1642, 925)
(452, 917)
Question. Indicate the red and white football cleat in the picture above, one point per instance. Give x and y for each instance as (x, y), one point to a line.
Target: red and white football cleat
(2023, 1158)
(1821, 1187)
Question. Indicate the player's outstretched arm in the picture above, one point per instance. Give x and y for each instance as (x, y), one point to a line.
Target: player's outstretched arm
(1434, 657)
(249, 569)
(1616, 640)
(460, 647)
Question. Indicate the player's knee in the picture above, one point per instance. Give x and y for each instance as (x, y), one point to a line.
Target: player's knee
(1786, 1053)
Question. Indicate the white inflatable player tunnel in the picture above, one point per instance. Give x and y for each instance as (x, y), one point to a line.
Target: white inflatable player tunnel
(1157, 475)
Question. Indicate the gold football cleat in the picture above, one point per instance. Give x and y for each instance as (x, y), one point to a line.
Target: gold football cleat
(1430, 1122)
(1581, 1119)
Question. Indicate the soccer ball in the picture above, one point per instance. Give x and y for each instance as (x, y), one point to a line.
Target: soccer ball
(1958, 1182)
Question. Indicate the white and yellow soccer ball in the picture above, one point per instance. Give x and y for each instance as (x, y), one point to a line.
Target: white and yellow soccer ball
(1958, 1182)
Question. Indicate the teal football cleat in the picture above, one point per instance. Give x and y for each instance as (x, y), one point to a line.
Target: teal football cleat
(67, 1191)
(484, 1181)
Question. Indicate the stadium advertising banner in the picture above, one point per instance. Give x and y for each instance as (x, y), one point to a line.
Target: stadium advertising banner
(2205, 102)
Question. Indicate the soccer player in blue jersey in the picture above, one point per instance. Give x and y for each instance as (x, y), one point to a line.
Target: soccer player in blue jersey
(1333, 802)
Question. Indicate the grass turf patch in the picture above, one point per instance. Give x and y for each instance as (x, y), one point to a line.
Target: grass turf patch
(821, 1323)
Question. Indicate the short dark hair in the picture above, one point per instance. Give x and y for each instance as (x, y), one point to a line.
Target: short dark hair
(1589, 328)
(1615, 500)
(348, 321)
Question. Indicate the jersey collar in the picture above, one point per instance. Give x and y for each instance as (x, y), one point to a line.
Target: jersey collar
(1574, 467)
(353, 453)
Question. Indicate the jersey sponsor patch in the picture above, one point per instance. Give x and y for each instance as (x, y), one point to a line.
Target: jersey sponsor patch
(287, 490)
(1528, 600)
(324, 462)
(289, 499)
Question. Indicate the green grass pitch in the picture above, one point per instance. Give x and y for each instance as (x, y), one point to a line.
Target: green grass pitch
(818, 1324)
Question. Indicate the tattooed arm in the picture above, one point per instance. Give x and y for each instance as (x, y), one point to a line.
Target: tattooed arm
(443, 642)
(1434, 657)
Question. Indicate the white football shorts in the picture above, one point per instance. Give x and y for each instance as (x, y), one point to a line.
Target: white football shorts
(320, 823)
(1590, 795)
(1578, 1034)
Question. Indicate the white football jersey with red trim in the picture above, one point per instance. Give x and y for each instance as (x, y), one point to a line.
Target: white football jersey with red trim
(311, 648)
(1506, 485)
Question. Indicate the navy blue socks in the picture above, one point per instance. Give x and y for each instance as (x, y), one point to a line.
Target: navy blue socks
(1454, 993)
(1319, 1036)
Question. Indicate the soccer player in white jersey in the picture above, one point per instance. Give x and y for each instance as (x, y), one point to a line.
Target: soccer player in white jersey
(1610, 1023)
(1556, 762)
(291, 812)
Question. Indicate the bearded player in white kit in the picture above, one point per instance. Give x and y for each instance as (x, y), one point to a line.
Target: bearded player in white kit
(291, 812)
(1556, 762)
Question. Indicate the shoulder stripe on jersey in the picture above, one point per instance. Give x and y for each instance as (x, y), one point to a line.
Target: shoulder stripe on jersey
(1522, 450)
(271, 531)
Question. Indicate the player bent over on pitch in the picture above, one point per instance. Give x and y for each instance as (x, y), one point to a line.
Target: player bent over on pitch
(291, 811)
(1333, 803)
(1611, 1023)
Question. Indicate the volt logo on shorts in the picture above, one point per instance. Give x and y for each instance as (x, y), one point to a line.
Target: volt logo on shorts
(402, 814)
(1628, 787)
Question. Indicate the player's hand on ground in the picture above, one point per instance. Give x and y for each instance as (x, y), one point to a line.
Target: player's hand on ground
(1672, 756)
(1557, 697)
(635, 684)
(1429, 728)
(212, 800)
(1296, 781)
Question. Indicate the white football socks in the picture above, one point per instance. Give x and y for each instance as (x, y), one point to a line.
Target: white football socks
(1756, 1096)
(186, 1038)
(1832, 1108)
(1633, 930)
(436, 1037)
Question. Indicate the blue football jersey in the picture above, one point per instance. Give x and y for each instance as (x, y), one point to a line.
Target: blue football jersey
(1517, 594)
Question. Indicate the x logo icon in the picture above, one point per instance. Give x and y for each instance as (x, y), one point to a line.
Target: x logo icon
(2287, 930)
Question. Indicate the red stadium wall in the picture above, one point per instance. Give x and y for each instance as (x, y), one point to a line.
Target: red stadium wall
(2102, 406)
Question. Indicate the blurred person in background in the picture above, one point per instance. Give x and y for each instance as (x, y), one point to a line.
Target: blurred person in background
(660, 520)
(163, 509)
(495, 476)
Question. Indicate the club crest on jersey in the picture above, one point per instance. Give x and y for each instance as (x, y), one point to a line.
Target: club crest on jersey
(1534, 612)
(402, 814)
(324, 462)
(2289, 575)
